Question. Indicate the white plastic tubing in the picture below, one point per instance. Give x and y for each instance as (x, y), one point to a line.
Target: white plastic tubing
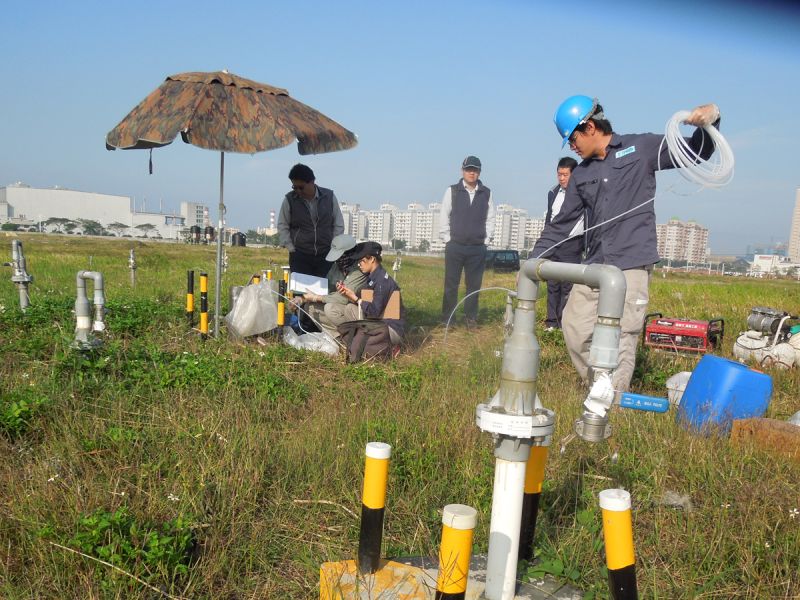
(708, 174)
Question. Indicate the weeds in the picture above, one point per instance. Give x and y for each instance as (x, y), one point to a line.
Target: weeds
(151, 552)
(262, 448)
(18, 410)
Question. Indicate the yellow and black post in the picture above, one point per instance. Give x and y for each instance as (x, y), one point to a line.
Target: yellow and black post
(282, 301)
(256, 279)
(534, 477)
(373, 503)
(615, 505)
(190, 298)
(286, 277)
(455, 551)
(204, 305)
(269, 274)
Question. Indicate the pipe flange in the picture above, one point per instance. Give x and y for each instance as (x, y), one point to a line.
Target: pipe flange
(22, 278)
(592, 428)
(540, 424)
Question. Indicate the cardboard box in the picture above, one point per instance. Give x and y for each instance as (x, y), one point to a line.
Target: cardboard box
(392, 310)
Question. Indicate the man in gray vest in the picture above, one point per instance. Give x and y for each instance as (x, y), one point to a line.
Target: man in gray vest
(466, 225)
(309, 219)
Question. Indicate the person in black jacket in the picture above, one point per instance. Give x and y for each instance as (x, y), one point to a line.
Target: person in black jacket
(569, 252)
(369, 260)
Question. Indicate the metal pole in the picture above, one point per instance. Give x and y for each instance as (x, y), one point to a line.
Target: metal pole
(220, 231)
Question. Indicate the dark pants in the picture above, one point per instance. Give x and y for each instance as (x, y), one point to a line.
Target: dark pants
(558, 292)
(470, 259)
(299, 262)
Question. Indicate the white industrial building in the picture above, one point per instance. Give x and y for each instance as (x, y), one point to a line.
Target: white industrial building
(27, 206)
(772, 264)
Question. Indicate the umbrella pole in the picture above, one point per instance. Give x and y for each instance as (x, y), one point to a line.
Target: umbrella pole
(220, 232)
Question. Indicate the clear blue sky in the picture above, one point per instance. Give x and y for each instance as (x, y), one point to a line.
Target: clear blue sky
(422, 84)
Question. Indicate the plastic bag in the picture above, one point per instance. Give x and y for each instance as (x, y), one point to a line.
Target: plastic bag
(255, 311)
(317, 341)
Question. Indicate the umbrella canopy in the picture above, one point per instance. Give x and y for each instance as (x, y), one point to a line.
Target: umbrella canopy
(221, 111)
(224, 112)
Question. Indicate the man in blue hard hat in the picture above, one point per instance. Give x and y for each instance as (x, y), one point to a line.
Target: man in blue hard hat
(614, 186)
(466, 222)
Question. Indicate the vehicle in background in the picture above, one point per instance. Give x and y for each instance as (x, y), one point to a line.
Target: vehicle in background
(502, 260)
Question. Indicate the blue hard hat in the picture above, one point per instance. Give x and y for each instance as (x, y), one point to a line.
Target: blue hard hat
(572, 112)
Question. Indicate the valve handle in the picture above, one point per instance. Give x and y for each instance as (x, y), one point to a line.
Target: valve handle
(641, 402)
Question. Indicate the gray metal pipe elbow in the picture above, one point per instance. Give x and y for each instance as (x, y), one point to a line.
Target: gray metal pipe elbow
(607, 279)
(99, 298)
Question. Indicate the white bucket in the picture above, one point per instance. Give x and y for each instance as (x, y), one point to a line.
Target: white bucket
(676, 385)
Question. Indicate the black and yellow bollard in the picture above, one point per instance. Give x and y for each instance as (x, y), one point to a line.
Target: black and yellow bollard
(269, 274)
(373, 503)
(286, 279)
(281, 303)
(615, 505)
(190, 298)
(534, 477)
(256, 279)
(204, 305)
(455, 551)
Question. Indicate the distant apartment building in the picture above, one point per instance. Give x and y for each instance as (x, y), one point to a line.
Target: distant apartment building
(509, 228)
(682, 241)
(28, 206)
(794, 235)
(380, 224)
(418, 223)
(533, 231)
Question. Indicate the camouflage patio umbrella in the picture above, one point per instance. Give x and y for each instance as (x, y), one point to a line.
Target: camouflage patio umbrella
(221, 111)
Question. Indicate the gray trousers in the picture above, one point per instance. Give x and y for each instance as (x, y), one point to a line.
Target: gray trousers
(330, 315)
(579, 318)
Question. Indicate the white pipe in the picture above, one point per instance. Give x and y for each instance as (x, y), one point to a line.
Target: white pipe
(515, 415)
(507, 496)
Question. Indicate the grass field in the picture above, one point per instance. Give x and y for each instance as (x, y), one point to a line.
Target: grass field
(232, 471)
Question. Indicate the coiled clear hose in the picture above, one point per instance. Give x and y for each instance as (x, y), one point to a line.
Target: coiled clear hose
(715, 172)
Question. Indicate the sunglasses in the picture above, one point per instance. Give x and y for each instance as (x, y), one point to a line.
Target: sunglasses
(579, 129)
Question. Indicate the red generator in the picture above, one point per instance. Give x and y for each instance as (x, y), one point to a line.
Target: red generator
(682, 335)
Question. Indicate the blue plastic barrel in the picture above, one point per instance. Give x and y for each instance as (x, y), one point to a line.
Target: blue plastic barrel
(721, 390)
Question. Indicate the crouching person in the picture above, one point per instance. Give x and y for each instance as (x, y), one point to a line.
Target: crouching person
(333, 309)
(378, 334)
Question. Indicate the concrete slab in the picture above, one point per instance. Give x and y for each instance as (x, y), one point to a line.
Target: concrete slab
(414, 578)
